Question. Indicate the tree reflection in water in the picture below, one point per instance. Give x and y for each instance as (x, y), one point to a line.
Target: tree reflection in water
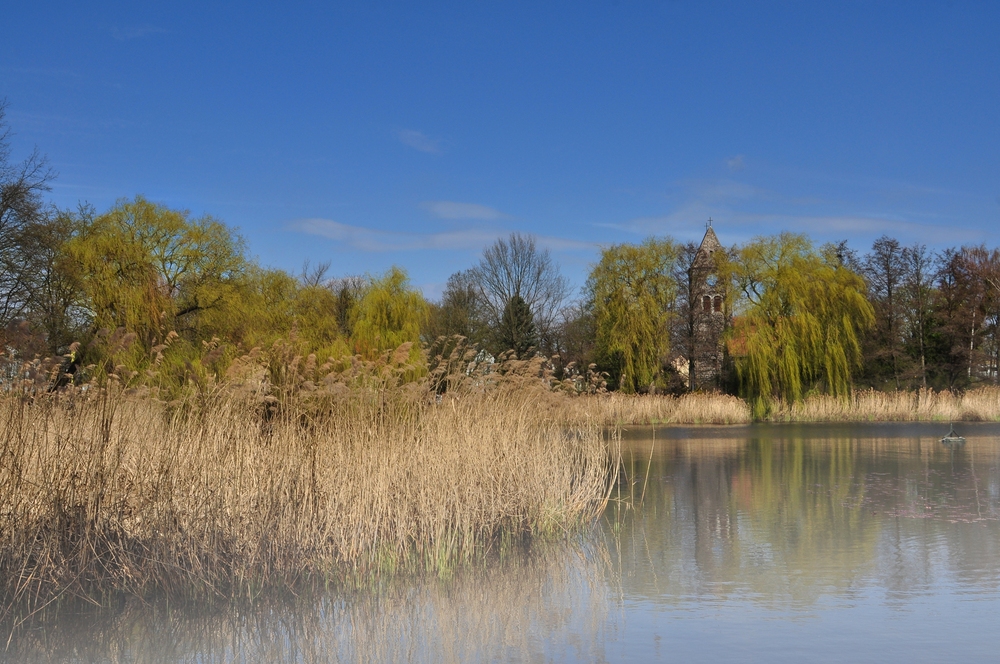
(720, 538)
(783, 515)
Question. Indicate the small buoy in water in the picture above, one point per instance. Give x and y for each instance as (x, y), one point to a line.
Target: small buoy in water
(952, 438)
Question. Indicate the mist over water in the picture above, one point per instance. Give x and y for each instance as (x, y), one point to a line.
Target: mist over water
(751, 543)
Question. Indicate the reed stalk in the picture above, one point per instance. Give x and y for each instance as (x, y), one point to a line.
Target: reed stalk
(107, 492)
(701, 408)
(979, 405)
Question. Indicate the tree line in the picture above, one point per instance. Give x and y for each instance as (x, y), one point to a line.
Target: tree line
(799, 318)
(177, 298)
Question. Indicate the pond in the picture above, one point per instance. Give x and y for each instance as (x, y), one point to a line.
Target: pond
(778, 543)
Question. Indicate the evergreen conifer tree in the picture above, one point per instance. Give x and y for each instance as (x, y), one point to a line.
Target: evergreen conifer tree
(517, 327)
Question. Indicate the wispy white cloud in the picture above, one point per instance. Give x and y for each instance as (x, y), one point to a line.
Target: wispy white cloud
(741, 211)
(687, 223)
(737, 163)
(418, 140)
(373, 240)
(453, 210)
(368, 239)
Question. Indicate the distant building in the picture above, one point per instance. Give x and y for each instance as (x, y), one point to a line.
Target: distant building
(682, 366)
(709, 316)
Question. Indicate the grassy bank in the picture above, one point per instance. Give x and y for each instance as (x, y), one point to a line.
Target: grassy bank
(979, 405)
(624, 409)
(231, 492)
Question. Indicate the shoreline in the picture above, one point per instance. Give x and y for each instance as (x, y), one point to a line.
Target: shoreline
(979, 405)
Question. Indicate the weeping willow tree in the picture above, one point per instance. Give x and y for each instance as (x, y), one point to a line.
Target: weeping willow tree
(147, 268)
(632, 292)
(150, 271)
(800, 314)
(389, 314)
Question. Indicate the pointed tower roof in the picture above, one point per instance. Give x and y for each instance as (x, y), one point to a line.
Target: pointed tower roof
(709, 245)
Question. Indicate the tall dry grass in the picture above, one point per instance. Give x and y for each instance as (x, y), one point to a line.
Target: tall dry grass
(702, 408)
(106, 492)
(981, 404)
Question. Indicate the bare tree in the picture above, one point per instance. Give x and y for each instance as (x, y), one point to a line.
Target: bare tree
(884, 269)
(577, 333)
(21, 206)
(984, 265)
(314, 276)
(56, 302)
(348, 291)
(514, 267)
(918, 290)
(459, 311)
(682, 326)
(957, 319)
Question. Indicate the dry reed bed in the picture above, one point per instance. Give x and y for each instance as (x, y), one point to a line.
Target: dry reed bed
(981, 404)
(103, 494)
(701, 408)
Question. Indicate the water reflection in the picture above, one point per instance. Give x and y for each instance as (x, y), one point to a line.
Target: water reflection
(548, 605)
(785, 543)
(786, 515)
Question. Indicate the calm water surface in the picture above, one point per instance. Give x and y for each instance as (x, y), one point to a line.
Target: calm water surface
(770, 543)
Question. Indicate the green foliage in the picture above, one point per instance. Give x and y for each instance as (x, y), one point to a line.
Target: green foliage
(150, 269)
(800, 316)
(315, 309)
(260, 310)
(388, 315)
(173, 300)
(632, 293)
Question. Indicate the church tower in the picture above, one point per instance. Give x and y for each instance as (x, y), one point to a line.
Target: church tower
(708, 314)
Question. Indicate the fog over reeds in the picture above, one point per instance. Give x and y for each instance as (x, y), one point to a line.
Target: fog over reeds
(547, 604)
(241, 488)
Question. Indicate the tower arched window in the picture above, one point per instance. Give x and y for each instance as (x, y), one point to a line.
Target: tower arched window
(717, 304)
(706, 303)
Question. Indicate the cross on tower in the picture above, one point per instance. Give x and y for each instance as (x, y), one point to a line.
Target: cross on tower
(708, 224)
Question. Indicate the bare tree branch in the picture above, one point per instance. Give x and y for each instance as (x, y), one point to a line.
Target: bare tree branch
(514, 267)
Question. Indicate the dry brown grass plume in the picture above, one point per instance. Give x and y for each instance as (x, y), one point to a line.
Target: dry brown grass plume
(337, 474)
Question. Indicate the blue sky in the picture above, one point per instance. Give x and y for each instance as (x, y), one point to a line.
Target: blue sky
(373, 134)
